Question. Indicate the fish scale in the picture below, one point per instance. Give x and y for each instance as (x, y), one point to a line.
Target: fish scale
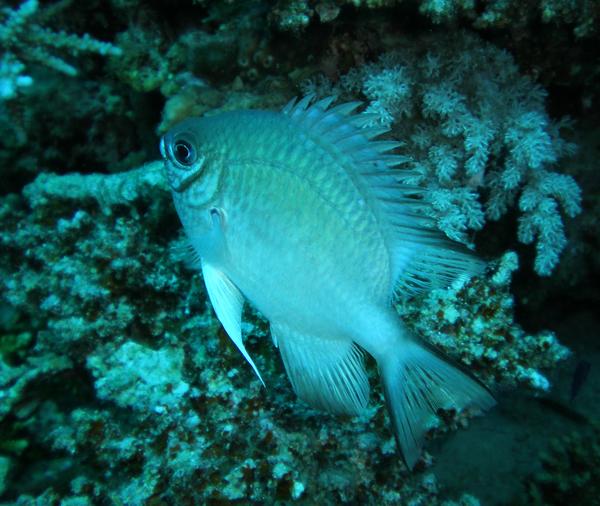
(289, 224)
(322, 212)
(303, 214)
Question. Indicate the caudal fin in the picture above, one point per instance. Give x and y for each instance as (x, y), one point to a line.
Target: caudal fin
(416, 384)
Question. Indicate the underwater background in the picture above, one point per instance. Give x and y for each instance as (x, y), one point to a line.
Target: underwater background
(118, 386)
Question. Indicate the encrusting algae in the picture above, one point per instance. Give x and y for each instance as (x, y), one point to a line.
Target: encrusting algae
(302, 213)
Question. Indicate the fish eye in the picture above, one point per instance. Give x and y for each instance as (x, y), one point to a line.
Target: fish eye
(184, 152)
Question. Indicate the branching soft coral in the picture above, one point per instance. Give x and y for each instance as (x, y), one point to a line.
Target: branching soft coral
(478, 136)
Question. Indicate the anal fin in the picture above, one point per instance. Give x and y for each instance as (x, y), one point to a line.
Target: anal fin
(326, 373)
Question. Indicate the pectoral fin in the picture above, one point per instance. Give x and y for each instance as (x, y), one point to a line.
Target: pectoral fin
(227, 301)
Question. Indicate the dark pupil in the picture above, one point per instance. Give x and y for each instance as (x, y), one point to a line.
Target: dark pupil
(183, 152)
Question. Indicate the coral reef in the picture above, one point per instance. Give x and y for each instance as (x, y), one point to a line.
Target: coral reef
(117, 384)
(473, 129)
(43, 66)
(473, 324)
(24, 38)
(124, 368)
(580, 16)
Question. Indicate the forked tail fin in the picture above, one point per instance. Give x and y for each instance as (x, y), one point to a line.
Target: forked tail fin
(416, 384)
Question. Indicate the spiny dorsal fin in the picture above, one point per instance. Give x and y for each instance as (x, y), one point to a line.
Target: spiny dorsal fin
(421, 256)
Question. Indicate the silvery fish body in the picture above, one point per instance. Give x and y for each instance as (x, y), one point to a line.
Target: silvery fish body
(302, 213)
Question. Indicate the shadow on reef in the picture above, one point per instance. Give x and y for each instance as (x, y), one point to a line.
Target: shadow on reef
(570, 471)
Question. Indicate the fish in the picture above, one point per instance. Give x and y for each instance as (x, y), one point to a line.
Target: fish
(307, 214)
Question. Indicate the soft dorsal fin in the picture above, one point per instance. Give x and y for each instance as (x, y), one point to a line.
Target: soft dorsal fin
(227, 301)
(421, 256)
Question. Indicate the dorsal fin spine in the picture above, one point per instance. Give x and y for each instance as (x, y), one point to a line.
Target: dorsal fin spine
(396, 202)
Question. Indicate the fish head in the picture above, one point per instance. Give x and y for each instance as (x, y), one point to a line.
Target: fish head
(193, 157)
(192, 162)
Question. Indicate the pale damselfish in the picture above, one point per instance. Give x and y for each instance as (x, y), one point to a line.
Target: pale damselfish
(305, 215)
